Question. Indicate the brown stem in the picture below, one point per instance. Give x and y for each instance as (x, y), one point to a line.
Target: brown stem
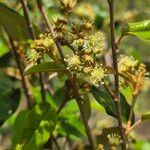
(120, 39)
(32, 34)
(28, 94)
(116, 76)
(131, 114)
(82, 111)
(26, 14)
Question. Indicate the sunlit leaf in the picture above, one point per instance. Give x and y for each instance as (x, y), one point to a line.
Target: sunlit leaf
(33, 128)
(108, 103)
(139, 29)
(3, 48)
(146, 116)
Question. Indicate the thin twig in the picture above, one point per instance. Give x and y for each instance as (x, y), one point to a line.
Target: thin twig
(135, 125)
(82, 111)
(26, 14)
(116, 76)
(28, 94)
(32, 34)
(131, 114)
(120, 40)
(135, 94)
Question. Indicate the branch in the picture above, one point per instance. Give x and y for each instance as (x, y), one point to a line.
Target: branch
(131, 114)
(28, 94)
(32, 34)
(116, 76)
(82, 111)
(26, 15)
(135, 125)
(120, 40)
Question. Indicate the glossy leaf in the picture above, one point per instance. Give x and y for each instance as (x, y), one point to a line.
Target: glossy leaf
(146, 116)
(14, 24)
(32, 129)
(9, 97)
(44, 67)
(139, 29)
(107, 102)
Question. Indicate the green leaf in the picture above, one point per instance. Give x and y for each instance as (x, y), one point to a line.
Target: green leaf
(9, 103)
(71, 107)
(108, 103)
(14, 24)
(145, 116)
(44, 67)
(71, 126)
(140, 145)
(139, 29)
(9, 97)
(32, 129)
(3, 48)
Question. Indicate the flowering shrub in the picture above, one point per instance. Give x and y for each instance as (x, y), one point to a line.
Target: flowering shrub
(68, 62)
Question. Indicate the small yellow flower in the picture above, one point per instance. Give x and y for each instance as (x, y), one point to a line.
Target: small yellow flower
(74, 62)
(85, 10)
(88, 58)
(68, 4)
(87, 69)
(127, 63)
(95, 43)
(48, 42)
(77, 43)
(114, 139)
(96, 76)
(100, 147)
(40, 46)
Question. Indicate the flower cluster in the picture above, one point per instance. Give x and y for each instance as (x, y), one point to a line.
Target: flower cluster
(132, 72)
(74, 63)
(127, 64)
(86, 45)
(40, 46)
(100, 147)
(114, 139)
(68, 5)
(97, 75)
(85, 10)
(94, 44)
(84, 60)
